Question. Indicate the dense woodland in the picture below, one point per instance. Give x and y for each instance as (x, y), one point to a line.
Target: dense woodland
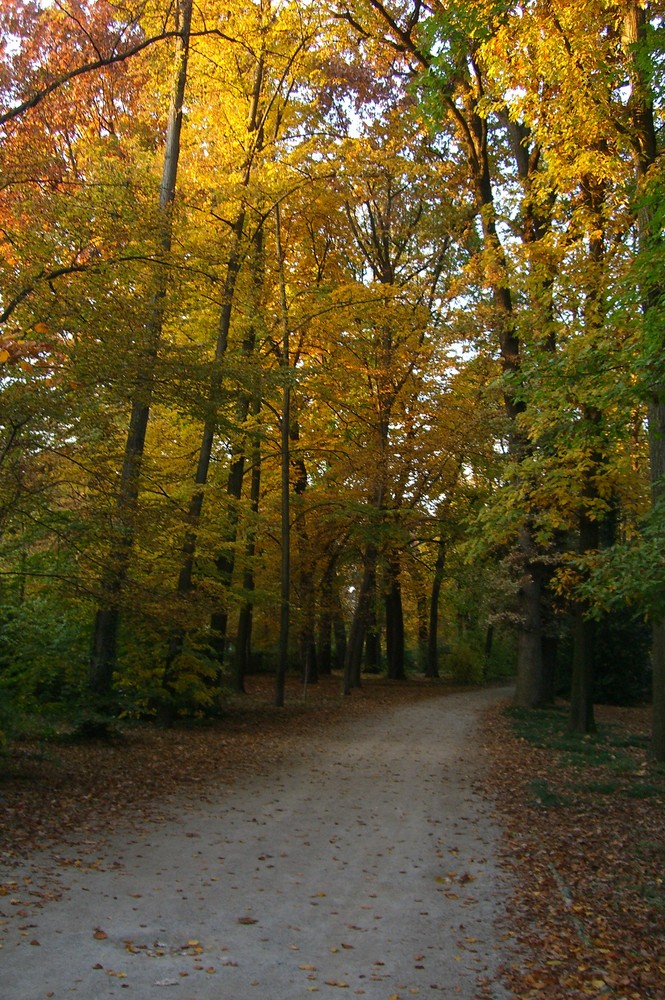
(331, 338)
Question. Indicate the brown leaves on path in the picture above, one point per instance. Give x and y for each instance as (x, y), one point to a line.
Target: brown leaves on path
(585, 821)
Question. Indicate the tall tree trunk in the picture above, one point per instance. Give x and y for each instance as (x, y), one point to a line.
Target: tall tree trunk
(225, 559)
(233, 267)
(245, 618)
(339, 632)
(529, 682)
(581, 693)
(326, 615)
(432, 668)
(285, 569)
(394, 622)
(550, 655)
(657, 455)
(372, 660)
(641, 104)
(354, 650)
(307, 638)
(105, 632)
(188, 551)
(422, 614)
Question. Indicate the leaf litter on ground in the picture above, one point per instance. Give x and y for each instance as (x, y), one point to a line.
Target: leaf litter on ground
(585, 841)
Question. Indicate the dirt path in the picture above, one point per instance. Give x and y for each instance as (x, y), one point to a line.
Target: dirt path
(366, 866)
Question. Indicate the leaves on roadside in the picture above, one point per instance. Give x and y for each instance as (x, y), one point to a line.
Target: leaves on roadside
(586, 855)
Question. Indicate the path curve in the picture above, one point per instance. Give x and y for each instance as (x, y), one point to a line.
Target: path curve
(367, 868)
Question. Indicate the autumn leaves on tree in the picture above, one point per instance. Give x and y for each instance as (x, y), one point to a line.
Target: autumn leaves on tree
(330, 337)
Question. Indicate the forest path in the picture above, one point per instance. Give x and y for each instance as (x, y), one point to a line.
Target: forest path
(366, 865)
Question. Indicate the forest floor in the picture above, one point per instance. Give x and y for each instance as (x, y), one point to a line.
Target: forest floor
(583, 820)
(584, 833)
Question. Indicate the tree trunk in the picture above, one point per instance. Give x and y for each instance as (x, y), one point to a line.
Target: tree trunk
(394, 622)
(326, 619)
(372, 660)
(641, 104)
(339, 633)
(307, 638)
(325, 644)
(107, 621)
(489, 642)
(657, 457)
(529, 682)
(188, 551)
(582, 684)
(581, 693)
(244, 636)
(354, 651)
(549, 656)
(432, 668)
(422, 612)
(285, 571)
(219, 619)
(226, 558)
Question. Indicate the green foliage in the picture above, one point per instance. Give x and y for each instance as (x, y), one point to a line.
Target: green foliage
(621, 654)
(189, 686)
(464, 664)
(455, 32)
(621, 662)
(631, 573)
(43, 651)
(500, 663)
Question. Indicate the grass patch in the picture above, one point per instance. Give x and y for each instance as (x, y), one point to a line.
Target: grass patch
(654, 895)
(538, 726)
(610, 762)
(544, 795)
(614, 760)
(642, 790)
(636, 740)
(598, 787)
(548, 729)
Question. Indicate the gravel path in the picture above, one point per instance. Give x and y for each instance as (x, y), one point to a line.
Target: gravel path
(365, 868)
